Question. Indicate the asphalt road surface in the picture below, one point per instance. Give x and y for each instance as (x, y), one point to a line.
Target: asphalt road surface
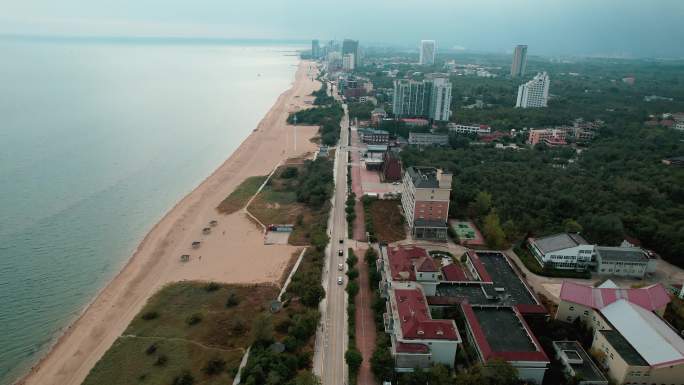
(335, 324)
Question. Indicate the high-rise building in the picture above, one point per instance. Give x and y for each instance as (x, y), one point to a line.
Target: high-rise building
(535, 93)
(429, 98)
(428, 50)
(440, 99)
(348, 62)
(352, 47)
(519, 61)
(315, 49)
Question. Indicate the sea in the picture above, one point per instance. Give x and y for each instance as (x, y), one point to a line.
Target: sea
(99, 138)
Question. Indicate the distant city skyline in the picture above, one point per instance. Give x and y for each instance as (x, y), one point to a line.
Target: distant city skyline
(609, 28)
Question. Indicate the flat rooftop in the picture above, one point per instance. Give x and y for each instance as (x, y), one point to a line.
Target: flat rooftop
(506, 289)
(501, 332)
(502, 329)
(626, 254)
(586, 369)
(503, 276)
(559, 242)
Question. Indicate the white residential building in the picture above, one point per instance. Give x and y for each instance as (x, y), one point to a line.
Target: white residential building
(440, 100)
(535, 93)
(428, 50)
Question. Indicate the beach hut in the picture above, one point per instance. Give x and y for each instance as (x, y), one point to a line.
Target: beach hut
(196, 245)
(185, 258)
(206, 230)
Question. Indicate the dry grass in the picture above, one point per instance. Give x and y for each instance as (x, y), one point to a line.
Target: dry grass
(388, 222)
(223, 332)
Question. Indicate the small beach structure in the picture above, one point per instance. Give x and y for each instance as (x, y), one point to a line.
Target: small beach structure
(196, 244)
(206, 230)
(185, 258)
(213, 223)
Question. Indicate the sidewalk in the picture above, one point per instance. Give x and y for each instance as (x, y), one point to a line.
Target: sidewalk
(365, 324)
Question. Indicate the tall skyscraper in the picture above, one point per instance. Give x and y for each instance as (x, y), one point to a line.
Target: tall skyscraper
(535, 93)
(440, 99)
(351, 46)
(430, 98)
(315, 49)
(519, 61)
(428, 50)
(348, 62)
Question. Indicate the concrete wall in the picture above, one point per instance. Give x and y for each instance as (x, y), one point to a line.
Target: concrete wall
(622, 269)
(569, 311)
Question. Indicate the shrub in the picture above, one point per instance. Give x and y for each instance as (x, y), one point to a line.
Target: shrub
(214, 366)
(194, 319)
(161, 360)
(212, 286)
(150, 315)
(184, 378)
(289, 172)
(151, 349)
(232, 300)
(237, 325)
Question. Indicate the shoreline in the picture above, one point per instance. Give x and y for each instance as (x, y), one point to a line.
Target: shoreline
(154, 262)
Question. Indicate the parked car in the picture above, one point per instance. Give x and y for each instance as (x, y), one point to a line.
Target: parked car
(341, 241)
(340, 280)
(340, 266)
(340, 253)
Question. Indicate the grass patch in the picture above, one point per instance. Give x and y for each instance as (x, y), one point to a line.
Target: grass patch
(239, 197)
(159, 349)
(290, 197)
(388, 223)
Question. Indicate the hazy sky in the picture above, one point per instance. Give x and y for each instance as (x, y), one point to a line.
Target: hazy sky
(575, 27)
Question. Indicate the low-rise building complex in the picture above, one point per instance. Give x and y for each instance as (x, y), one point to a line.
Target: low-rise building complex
(633, 343)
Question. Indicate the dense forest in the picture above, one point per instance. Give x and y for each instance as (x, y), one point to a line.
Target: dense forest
(616, 187)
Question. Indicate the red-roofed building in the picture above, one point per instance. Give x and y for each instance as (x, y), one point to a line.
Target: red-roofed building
(452, 272)
(409, 264)
(580, 301)
(477, 269)
(418, 341)
(500, 332)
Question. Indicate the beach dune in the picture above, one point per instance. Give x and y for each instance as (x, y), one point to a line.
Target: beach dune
(233, 251)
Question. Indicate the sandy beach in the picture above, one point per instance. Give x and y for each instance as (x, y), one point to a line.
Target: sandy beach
(233, 252)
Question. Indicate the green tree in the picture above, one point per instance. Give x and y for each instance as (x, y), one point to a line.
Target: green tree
(307, 378)
(493, 232)
(482, 204)
(353, 358)
(262, 330)
(572, 226)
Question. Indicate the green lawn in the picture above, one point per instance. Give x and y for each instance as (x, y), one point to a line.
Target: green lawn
(239, 197)
(222, 333)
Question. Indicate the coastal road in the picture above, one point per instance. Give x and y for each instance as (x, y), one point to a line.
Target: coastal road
(334, 367)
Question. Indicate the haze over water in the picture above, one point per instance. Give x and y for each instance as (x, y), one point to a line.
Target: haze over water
(97, 141)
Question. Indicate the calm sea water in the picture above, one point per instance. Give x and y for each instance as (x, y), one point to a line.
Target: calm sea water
(98, 139)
